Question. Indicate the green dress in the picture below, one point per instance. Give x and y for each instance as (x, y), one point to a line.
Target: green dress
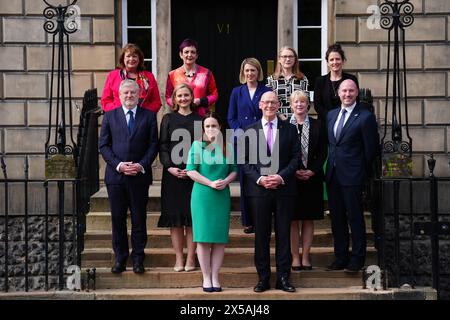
(210, 208)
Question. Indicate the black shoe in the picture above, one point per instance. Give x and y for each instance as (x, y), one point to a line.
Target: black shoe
(353, 268)
(306, 267)
(249, 229)
(283, 284)
(336, 265)
(118, 268)
(217, 289)
(209, 289)
(296, 268)
(138, 267)
(261, 286)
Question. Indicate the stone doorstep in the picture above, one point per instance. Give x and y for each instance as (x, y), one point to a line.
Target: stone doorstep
(160, 238)
(234, 257)
(101, 221)
(155, 190)
(351, 293)
(230, 278)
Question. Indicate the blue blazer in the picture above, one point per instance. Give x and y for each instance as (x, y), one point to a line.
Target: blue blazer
(117, 145)
(243, 111)
(351, 157)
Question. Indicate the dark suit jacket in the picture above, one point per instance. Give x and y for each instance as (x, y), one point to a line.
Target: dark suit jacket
(323, 94)
(243, 111)
(350, 158)
(317, 151)
(288, 160)
(117, 145)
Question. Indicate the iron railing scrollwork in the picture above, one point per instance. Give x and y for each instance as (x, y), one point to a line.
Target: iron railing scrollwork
(395, 17)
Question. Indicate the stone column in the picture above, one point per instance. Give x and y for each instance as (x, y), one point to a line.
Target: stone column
(285, 23)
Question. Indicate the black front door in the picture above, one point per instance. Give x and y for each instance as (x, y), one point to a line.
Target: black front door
(227, 32)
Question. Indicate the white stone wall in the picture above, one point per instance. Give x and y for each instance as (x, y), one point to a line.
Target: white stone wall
(428, 63)
(25, 65)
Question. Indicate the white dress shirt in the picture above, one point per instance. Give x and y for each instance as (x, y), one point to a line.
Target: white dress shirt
(127, 117)
(347, 116)
(265, 126)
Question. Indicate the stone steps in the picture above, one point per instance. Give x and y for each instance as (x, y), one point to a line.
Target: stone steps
(101, 221)
(234, 257)
(160, 238)
(100, 202)
(241, 277)
(238, 273)
(241, 294)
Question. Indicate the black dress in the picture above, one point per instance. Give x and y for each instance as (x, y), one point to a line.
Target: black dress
(309, 205)
(326, 94)
(175, 192)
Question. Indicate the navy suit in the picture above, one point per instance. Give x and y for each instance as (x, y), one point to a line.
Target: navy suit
(117, 145)
(349, 161)
(242, 112)
(263, 202)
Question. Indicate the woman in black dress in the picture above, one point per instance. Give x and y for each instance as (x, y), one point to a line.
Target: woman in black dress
(176, 186)
(326, 87)
(309, 179)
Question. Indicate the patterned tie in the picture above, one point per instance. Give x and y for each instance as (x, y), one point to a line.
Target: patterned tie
(340, 124)
(269, 136)
(304, 141)
(131, 122)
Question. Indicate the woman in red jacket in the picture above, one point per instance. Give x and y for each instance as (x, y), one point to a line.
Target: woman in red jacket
(199, 78)
(131, 66)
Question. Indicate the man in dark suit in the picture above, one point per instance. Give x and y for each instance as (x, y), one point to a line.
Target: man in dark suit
(353, 143)
(128, 143)
(271, 158)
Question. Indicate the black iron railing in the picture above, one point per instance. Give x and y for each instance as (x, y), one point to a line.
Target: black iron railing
(60, 238)
(414, 217)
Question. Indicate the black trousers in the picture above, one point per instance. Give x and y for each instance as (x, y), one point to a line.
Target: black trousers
(262, 209)
(134, 197)
(345, 203)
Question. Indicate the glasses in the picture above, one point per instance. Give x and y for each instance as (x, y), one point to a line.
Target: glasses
(287, 57)
(269, 102)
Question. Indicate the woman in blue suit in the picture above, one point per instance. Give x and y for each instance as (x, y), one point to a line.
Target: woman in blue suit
(243, 111)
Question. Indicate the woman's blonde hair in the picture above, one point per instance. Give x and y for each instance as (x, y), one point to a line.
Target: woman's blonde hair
(299, 94)
(176, 107)
(253, 62)
(295, 68)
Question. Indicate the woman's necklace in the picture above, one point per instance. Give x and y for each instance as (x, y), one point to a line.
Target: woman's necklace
(335, 83)
(190, 74)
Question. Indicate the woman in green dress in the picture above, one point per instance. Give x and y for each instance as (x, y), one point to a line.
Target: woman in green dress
(211, 165)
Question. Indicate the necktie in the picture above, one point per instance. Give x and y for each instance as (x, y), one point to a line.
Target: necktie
(305, 141)
(340, 124)
(269, 136)
(131, 122)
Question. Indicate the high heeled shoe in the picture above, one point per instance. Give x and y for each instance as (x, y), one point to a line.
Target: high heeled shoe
(178, 269)
(189, 268)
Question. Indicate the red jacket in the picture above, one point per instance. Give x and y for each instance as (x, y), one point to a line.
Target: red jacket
(148, 94)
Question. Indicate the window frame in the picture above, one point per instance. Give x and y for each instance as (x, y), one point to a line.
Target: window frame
(152, 26)
(324, 33)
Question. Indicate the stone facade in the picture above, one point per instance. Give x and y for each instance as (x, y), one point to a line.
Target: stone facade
(415, 254)
(25, 65)
(428, 59)
(36, 252)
